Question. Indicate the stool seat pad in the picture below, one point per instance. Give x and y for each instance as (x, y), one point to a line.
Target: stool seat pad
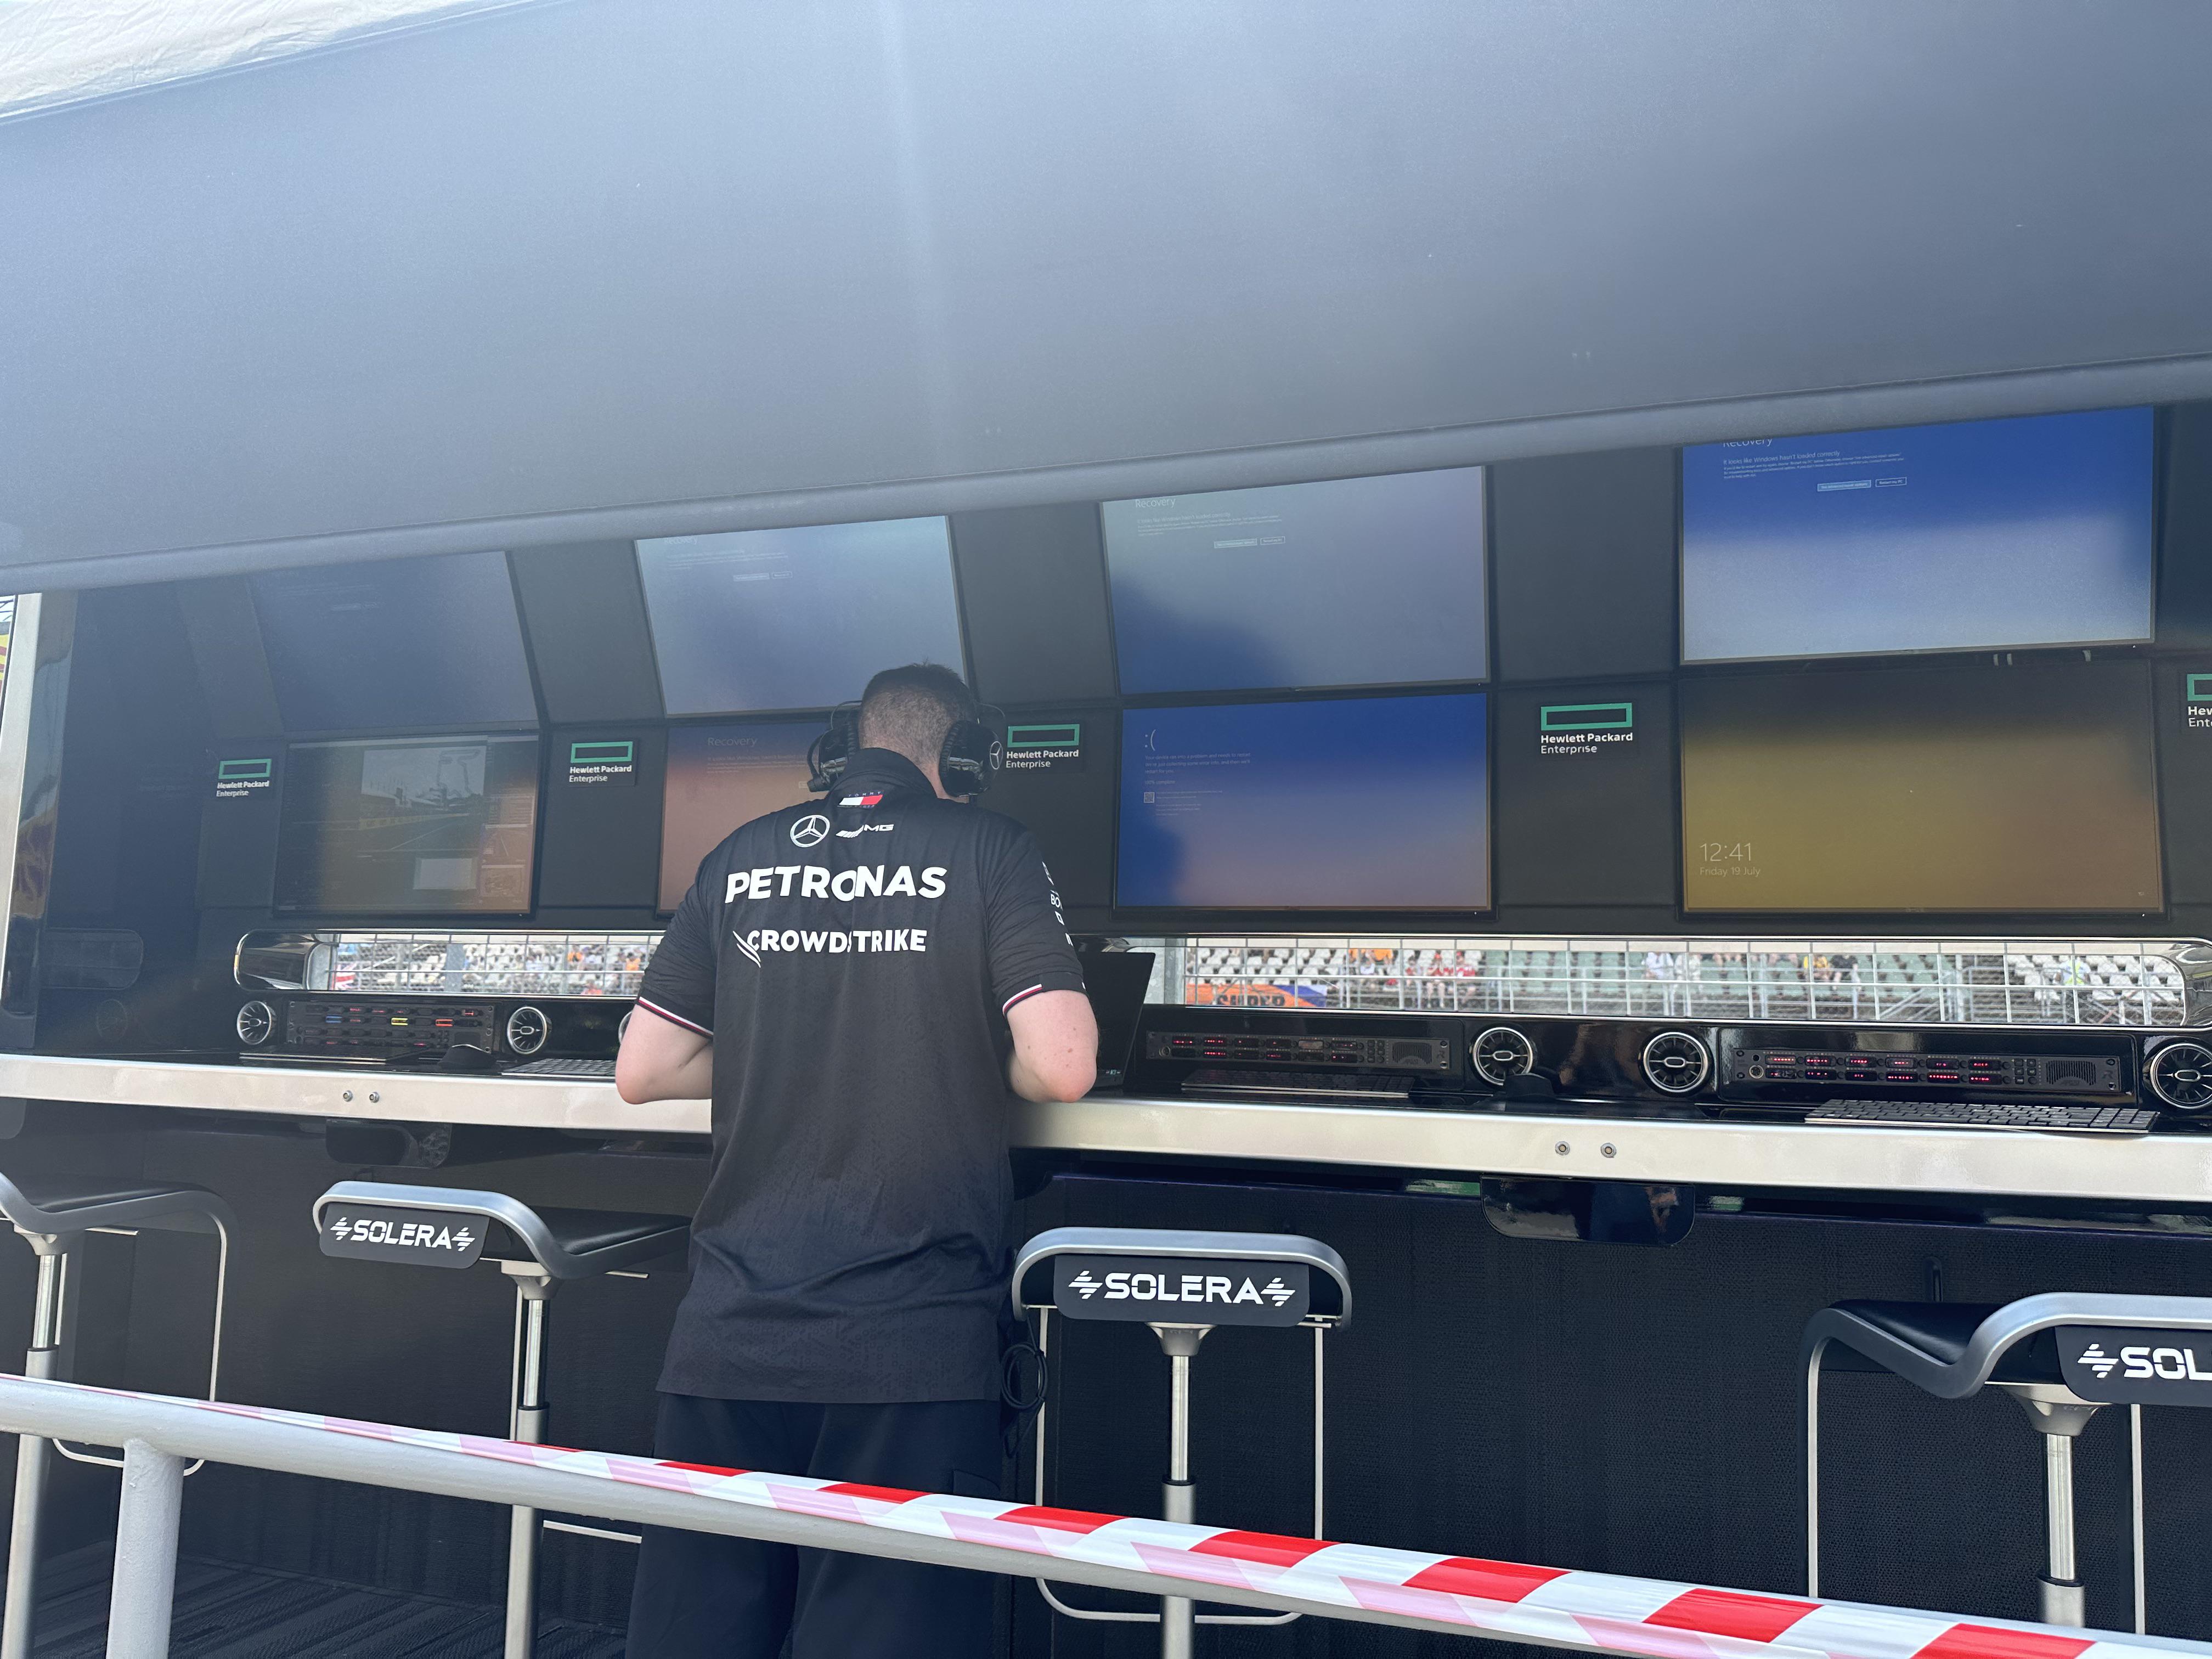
(1940, 1333)
(566, 1243)
(1941, 1330)
(48, 1203)
(583, 1233)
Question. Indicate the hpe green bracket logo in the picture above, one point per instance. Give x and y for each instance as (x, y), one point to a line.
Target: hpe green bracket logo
(1589, 716)
(241, 771)
(600, 754)
(1067, 736)
(2200, 687)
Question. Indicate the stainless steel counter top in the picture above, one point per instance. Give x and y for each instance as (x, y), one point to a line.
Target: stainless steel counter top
(2158, 1169)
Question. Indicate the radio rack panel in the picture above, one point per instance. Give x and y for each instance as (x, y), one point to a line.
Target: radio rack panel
(349, 1029)
(1367, 1054)
(2016, 1073)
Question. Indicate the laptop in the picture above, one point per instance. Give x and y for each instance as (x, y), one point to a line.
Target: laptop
(1116, 981)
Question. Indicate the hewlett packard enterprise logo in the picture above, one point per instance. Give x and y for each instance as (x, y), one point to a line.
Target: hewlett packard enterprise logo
(1583, 728)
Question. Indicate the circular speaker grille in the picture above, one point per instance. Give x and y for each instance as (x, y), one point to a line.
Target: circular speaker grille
(257, 1023)
(527, 1030)
(1501, 1053)
(2181, 1076)
(1676, 1062)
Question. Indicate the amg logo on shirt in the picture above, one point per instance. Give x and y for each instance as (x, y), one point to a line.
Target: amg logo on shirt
(815, 881)
(859, 940)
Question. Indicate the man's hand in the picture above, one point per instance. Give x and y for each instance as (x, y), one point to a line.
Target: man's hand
(660, 1060)
(1055, 1047)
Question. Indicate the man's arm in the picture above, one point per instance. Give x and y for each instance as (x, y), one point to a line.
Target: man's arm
(660, 1060)
(1055, 1047)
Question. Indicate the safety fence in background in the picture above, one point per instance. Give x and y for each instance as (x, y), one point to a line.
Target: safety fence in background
(1551, 1607)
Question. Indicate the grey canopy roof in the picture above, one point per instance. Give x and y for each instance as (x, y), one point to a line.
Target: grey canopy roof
(62, 52)
(594, 268)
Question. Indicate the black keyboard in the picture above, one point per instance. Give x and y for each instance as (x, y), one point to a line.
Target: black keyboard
(1981, 1114)
(563, 1068)
(1334, 1085)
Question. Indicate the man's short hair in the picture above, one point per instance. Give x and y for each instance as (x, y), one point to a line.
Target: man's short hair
(911, 709)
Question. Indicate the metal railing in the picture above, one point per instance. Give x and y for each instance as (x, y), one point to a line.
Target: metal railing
(1586, 1612)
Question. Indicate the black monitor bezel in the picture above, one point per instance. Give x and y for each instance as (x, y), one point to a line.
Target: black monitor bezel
(460, 920)
(1169, 918)
(1792, 923)
(311, 734)
(675, 717)
(2156, 486)
(1192, 695)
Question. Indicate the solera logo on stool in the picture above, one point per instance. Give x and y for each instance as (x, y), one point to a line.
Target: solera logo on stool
(2126, 1366)
(1181, 1289)
(428, 1238)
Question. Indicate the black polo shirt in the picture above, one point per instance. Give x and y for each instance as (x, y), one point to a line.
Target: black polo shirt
(853, 959)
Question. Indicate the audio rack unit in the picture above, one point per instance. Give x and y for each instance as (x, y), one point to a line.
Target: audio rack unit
(2013, 1073)
(337, 1028)
(1423, 1055)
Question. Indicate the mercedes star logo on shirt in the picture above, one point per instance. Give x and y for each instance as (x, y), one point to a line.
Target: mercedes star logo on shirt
(810, 831)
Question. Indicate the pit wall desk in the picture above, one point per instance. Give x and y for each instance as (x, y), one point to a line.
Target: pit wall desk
(2154, 1170)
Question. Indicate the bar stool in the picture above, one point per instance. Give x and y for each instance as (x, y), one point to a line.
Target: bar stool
(53, 1212)
(1182, 1285)
(450, 1227)
(2062, 1356)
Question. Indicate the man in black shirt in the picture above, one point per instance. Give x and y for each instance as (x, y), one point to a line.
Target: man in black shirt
(855, 983)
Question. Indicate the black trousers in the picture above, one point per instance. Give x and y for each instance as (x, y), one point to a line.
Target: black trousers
(700, 1596)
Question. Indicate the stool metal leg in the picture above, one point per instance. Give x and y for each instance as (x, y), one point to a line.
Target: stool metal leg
(1812, 1468)
(2135, 1515)
(32, 1456)
(528, 1424)
(2063, 1601)
(2059, 1417)
(1179, 1497)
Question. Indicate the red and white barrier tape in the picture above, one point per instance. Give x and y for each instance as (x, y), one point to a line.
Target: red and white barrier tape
(1505, 1599)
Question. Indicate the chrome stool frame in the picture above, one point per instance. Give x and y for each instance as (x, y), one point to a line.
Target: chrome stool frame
(53, 1213)
(361, 1220)
(2059, 1407)
(1073, 1270)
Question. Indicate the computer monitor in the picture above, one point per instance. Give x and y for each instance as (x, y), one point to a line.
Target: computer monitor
(720, 777)
(1981, 535)
(1367, 804)
(1972, 789)
(764, 620)
(408, 826)
(395, 645)
(1353, 581)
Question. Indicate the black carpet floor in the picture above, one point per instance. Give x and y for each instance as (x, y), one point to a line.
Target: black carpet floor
(229, 1612)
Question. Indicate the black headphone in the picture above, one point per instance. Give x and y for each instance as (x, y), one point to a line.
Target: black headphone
(967, 761)
(827, 755)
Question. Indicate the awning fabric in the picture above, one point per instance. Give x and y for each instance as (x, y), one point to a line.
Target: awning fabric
(64, 52)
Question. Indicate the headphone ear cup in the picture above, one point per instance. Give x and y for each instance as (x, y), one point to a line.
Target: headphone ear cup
(969, 755)
(827, 755)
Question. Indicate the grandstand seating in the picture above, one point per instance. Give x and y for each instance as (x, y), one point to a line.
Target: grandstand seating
(1989, 982)
(1986, 983)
